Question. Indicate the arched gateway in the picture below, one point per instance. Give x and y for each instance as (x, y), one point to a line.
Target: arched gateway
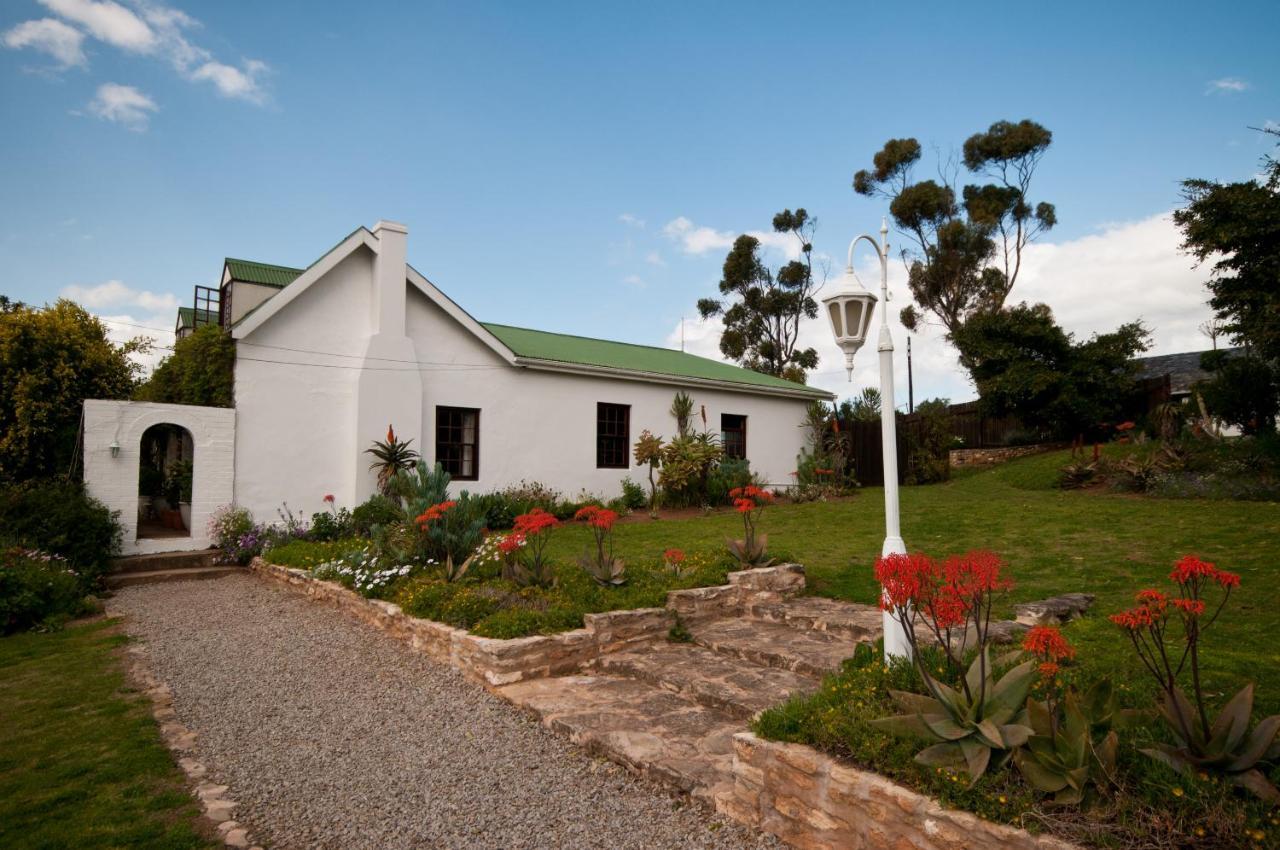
(164, 467)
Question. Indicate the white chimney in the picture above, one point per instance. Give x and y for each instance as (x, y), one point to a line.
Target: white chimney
(389, 278)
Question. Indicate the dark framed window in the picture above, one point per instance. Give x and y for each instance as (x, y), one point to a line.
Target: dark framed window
(458, 441)
(733, 435)
(613, 435)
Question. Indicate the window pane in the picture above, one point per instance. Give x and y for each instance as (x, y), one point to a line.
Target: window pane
(613, 435)
(458, 441)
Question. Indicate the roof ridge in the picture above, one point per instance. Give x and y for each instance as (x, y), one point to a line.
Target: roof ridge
(602, 339)
(260, 263)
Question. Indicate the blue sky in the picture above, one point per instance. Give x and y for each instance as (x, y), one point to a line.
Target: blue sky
(579, 167)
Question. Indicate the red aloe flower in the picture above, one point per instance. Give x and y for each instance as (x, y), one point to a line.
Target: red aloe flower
(674, 556)
(511, 543)
(434, 512)
(597, 517)
(1048, 644)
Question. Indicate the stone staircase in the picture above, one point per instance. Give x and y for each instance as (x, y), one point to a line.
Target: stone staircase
(669, 710)
(167, 566)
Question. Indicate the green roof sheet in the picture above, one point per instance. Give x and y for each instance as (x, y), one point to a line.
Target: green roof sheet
(263, 273)
(187, 317)
(586, 351)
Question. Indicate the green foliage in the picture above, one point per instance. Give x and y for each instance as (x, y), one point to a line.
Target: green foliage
(37, 590)
(968, 725)
(728, 474)
(305, 554)
(201, 370)
(765, 306)
(51, 360)
(390, 458)
(1242, 391)
(633, 495)
(1065, 755)
(469, 606)
(377, 510)
(419, 486)
(228, 527)
(331, 525)
(1237, 225)
(177, 482)
(61, 518)
(863, 408)
(1025, 365)
(686, 466)
(965, 257)
(682, 412)
(929, 443)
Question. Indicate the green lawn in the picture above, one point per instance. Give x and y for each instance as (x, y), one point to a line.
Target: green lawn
(81, 760)
(1107, 544)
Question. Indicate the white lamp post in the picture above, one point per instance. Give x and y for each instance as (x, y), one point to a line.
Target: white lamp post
(849, 310)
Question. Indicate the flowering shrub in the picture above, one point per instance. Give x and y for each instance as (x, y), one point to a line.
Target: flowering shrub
(523, 549)
(1225, 745)
(750, 501)
(233, 530)
(602, 566)
(364, 572)
(954, 600)
(332, 523)
(449, 537)
(37, 589)
(673, 560)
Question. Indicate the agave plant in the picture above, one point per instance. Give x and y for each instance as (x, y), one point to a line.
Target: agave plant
(390, 456)
(1229, 747)
(985, 719)
(454, 572)
(602, 565)
(1065, 755)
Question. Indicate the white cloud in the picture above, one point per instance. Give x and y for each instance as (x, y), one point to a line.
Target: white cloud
(232, 82)
(699, 239)
(1093, 284)
(123, 105)
(1227, 85)
(631, 221)
(634, 280)
(653, 258)
(116, 294)
(47, 35)
(108, 22)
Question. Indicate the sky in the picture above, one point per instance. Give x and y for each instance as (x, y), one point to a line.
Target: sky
(584, 167)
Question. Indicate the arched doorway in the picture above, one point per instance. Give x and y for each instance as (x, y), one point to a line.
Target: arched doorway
(166, 472)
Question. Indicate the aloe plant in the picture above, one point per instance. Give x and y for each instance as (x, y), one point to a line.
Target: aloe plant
(607, 572)
(1066, 754)
(1229, 748)
(390, 456)
(985, 719)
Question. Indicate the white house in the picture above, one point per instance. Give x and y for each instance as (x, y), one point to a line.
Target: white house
(328, 356)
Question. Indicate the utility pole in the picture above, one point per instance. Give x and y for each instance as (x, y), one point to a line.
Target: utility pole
(911, 391)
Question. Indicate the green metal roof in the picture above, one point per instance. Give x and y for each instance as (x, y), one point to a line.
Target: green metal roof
(585, 351)
(263, 273)
(187, 317)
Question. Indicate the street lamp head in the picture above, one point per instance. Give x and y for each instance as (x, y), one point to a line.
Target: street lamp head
(849, 310)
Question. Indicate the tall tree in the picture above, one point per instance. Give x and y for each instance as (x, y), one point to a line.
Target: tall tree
(201, 370)
(51, 360)
(966, 246)
(764, 306)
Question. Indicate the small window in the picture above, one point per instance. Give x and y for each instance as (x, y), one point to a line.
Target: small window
(733, 434)
(613, 435)
(458, 441)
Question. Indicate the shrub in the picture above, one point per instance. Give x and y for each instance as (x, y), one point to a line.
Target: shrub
(233, 530)
(378, 510)
(469, 606)
(364, 571)
(929, 443)
(499, 510)
(331, 524)
(425, 598)
(62, 519)
(37, 589)
(510, 623)
(687, 462)
(307, 554)
(633, 495)
(728, 475)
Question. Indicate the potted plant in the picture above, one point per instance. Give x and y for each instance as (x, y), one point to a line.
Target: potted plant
(177, 489)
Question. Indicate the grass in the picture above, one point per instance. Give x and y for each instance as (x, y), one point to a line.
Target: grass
(81, 760)
(1055, 541)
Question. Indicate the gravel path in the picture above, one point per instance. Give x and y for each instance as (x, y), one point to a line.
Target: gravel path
(331, 734)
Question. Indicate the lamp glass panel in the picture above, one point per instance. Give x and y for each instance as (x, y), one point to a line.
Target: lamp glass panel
(853, 317)
(836, 324)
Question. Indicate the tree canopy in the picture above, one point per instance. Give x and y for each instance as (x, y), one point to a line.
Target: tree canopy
(763, 307)
(200, 370)
(966, 243)
(1025, 365)
(51, 360)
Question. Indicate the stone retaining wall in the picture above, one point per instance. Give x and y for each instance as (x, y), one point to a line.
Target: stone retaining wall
(493, 661)
(961, 458)
(812, 801)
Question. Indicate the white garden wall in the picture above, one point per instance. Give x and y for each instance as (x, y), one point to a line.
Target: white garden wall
(113, 480)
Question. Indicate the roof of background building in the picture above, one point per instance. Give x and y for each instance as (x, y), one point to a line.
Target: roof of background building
(1183, 369)
(263, 273)
(187, 317)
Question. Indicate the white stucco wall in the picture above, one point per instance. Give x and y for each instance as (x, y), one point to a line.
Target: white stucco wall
(320, 380)
(114, 480)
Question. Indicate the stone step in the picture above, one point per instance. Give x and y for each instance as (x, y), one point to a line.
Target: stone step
(118, 580)
(739, 688)
(860, 623)
(806, 651)
(157, 561)
(658, 734)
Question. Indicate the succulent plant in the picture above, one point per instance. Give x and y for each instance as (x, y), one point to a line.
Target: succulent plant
(752, 552)
(1066, 754)
(986, 718)
(607, 571)
(1229, 747)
